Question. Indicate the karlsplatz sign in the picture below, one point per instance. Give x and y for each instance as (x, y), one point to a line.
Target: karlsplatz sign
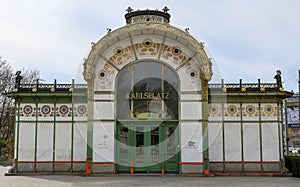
(148, 95)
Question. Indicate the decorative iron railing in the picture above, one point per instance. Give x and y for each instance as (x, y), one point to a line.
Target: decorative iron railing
(247, 85)
(50, 87)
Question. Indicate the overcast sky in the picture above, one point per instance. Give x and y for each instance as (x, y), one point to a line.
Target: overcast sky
(247, 39)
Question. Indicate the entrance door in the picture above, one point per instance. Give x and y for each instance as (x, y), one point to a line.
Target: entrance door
(147, 147)
(171, 147)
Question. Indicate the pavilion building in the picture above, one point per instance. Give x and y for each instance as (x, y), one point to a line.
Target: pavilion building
(148, 106)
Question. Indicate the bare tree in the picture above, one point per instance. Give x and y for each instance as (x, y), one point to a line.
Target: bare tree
(5, 107)
(7, 82)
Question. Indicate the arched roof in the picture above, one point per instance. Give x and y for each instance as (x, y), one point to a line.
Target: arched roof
(147, 26)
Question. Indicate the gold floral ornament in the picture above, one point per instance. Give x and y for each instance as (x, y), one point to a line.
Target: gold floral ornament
(268, 109)
(231, 109)
(213, 109)
(250, 109)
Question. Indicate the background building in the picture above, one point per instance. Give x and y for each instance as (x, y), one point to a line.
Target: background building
(292, 121)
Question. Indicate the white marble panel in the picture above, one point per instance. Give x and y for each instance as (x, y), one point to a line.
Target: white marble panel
(45, 142)
(196, 97)
(270, 141)
(215, 141)
(104, 97)
(233, 140)
(26, 142)
(191, 110)
(103, 142)
(251, 142)
(15, 140)
(63, 142)
(107, 83)
(191, 142)
(187, 82)
(80, 142)
(104, 110)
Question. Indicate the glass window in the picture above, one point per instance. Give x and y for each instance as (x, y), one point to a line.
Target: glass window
(147, 90)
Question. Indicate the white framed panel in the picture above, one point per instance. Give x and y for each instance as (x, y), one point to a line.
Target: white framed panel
(45, 142)
(80, 142)
(270, 141)
(233, 150)
(215, 141)
(103, 142)
(191, 110)
(107, 81)
(26, 142)
(188, 82)
(63, 141)
(251, 142)
(16, 139)
(104, 110)
(191, 142)
(281, 140)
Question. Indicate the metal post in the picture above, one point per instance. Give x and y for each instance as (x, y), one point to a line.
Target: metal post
(286, 129)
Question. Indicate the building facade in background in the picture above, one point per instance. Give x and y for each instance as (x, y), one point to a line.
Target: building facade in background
(292, 122)
(147, 106)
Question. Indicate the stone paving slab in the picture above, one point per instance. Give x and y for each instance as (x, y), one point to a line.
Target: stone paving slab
(143, 180)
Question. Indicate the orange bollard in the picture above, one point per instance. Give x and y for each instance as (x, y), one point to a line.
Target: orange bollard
(206, 172)
(131, 167)
(87, 167)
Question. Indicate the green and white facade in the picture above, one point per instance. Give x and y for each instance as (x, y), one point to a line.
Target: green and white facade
(147, 106)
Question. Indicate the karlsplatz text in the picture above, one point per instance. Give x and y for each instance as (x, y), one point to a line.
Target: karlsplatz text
(148, 95)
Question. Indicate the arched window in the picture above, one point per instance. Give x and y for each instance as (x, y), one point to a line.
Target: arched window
(147, 90)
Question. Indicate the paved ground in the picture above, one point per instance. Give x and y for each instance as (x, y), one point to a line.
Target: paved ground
(124, 180)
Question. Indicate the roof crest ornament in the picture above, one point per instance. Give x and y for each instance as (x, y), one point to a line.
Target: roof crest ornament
(129, 9)
(147, 16)
(165, 9)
